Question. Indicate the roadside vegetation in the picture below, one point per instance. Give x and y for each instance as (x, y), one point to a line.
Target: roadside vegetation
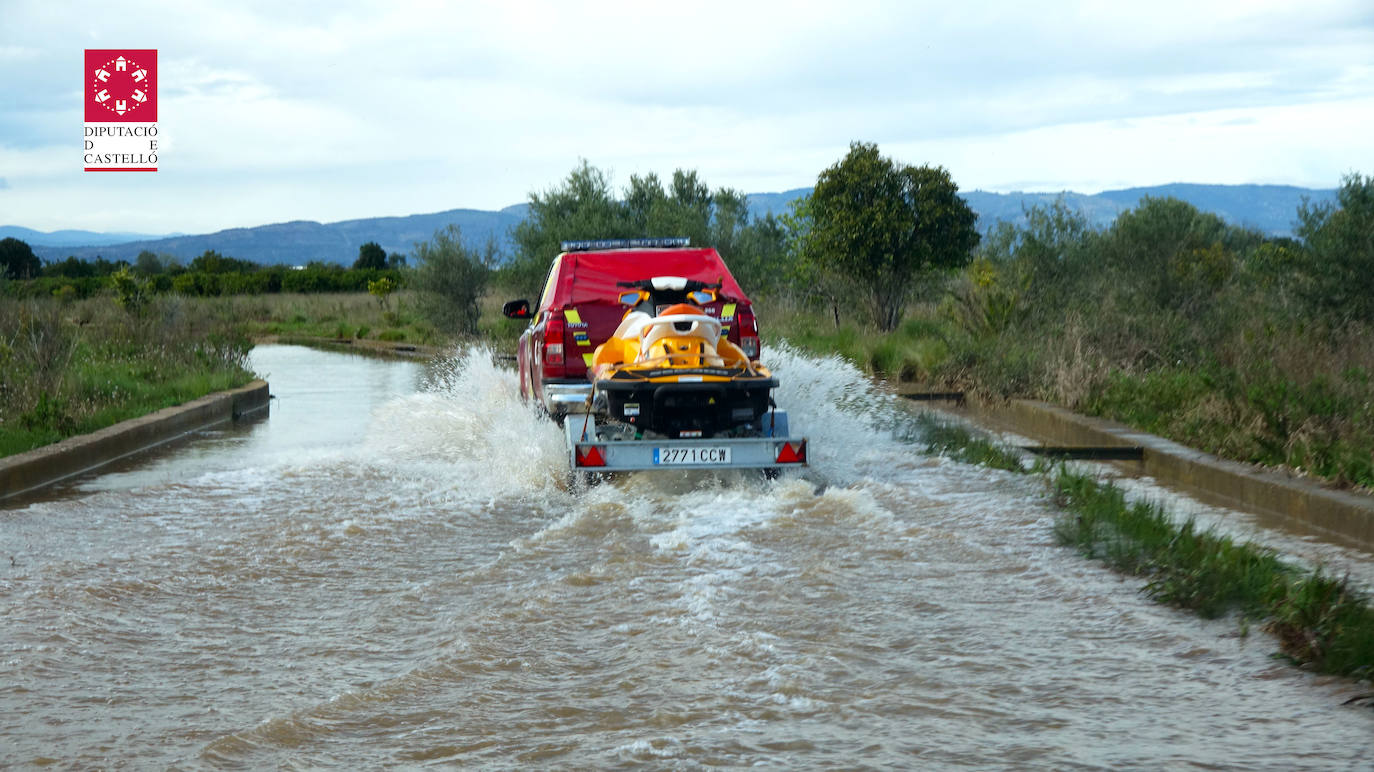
(1321, 622)
(72, 367)
(327, 316)
(1254, 348)
(209, 275)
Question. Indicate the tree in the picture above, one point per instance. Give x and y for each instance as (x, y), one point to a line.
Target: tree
(643, 196)
(71, 268)
(685, 211)
(886, 226)
(583, 207)
(211, 261)
(381, 288)
(758, 256)
(1168, 254)
(371, 255)
(148, 264)
(451, 279)
(17, 260)
(1048, 263)
(131, 293)
(1337, 267)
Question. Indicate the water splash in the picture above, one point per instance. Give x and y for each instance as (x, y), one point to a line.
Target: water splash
(470, 428)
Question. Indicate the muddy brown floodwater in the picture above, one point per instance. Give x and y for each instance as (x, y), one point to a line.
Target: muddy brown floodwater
(389, 572)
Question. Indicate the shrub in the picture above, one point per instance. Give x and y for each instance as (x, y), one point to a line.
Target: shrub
(451, 279)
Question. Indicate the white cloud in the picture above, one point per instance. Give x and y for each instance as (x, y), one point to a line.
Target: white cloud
(275, 111)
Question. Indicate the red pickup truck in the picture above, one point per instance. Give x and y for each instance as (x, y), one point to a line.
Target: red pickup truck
(581, 305)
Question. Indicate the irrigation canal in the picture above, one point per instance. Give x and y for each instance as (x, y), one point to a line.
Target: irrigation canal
(389, 572)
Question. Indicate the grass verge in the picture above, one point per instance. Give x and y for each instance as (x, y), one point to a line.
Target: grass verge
(336, 316)
(355, 316)
(912, 352)
(1321, 622)
(73, 368)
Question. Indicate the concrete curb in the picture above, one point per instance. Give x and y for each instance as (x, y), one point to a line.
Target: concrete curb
(76, 455)
(1238, 486)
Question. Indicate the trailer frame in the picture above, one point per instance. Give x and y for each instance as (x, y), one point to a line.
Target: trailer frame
(597, 446)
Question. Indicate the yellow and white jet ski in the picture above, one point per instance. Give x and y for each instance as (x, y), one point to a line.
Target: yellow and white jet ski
(676, 375)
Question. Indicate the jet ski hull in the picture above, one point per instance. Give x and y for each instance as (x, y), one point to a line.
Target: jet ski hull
(686, 403)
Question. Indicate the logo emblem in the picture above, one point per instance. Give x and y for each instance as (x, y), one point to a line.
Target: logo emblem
(121, 85)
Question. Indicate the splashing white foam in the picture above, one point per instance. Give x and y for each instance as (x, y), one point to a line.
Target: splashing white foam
(472, 428)
(847, 421)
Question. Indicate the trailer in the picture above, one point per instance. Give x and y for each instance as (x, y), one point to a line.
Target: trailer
(596, 445)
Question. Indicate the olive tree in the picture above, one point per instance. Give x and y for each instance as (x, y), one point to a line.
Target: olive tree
(17, 260)
(450, 279)
(886, 226)
(584, 206)
(371, 255)
(1337, 269)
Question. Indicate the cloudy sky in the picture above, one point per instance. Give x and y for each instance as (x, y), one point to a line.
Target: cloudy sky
(274, 111)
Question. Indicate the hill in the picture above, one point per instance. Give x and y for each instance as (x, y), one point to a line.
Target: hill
(70, 238)
(301, 241)
(1271, 209)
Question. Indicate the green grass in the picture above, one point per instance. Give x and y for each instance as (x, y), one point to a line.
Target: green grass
(335, 316)
(912, 353)
(1317, 423)
(69, 368)
(55, 421)
(1321, 622)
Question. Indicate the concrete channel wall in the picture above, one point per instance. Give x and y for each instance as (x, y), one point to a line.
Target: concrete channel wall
(1347, 515)
(76, 455)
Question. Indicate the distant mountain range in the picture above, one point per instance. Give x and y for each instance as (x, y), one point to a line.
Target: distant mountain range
(73, 238)
(1271, 209)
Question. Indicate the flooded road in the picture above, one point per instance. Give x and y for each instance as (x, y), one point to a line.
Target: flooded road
(389, 572)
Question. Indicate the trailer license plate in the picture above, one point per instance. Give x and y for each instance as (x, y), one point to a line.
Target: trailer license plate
(691, 456)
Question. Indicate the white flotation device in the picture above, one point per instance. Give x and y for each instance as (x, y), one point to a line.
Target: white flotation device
(679, 326)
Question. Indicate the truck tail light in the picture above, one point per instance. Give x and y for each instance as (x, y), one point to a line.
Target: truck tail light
(553, 345)
(748, 334)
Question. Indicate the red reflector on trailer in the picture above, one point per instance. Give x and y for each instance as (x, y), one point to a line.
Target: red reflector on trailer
(590, 455)
(792, 453)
